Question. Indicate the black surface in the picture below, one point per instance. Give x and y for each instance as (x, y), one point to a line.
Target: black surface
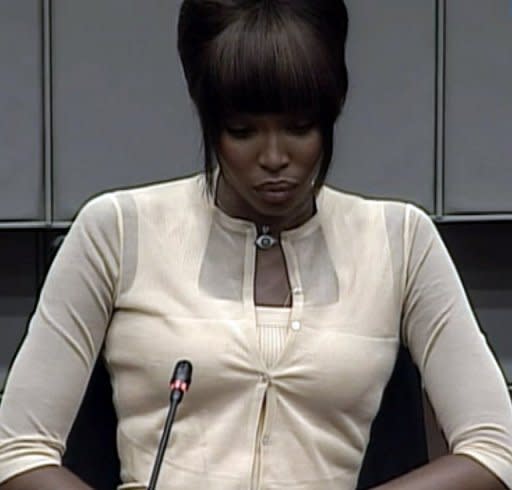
(91, 449)
(398, 441)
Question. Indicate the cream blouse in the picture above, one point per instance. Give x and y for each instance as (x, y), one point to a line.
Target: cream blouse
(157, 274)
(273, 326)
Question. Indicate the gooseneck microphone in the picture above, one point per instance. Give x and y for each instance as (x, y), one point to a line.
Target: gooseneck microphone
(179, 384)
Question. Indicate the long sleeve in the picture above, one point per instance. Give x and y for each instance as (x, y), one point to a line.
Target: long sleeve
(50, 373)
(460, 375)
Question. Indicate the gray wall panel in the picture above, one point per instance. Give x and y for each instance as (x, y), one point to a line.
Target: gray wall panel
(122, 115)
(478, 106)
(21, 160)
(18, 286)
(121, 112)
(385, 138)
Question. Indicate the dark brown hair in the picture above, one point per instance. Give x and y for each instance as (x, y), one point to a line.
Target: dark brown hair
(264, 56)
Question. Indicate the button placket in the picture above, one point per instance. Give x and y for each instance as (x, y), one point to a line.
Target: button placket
(268, 422)
(296, 313)
(295, 325)
(256, 467)
(296, 286)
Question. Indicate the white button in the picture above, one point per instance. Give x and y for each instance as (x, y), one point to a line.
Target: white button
(295, 325)
(264, 378)
(297, 290)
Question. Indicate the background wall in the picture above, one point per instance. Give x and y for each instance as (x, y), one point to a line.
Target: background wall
(92, 97)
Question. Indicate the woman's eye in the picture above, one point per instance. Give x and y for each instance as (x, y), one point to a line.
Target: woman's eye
(302, 128)
(239, 132)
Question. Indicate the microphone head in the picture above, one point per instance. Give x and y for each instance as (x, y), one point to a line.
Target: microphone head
(182, 376)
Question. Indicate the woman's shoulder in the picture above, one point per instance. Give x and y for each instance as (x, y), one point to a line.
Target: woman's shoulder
(113, 205)
(170, 191)
(354, 205)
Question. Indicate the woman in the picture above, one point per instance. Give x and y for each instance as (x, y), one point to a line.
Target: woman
(290, 298)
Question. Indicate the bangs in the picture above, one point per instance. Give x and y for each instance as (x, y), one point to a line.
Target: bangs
(265, 63)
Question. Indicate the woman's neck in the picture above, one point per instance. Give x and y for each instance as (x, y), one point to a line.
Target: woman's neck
(234, 205)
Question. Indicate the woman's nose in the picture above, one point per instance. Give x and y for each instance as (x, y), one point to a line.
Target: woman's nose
(274, 154)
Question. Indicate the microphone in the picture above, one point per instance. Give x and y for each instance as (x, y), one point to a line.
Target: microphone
(179, 384)
(180, 380)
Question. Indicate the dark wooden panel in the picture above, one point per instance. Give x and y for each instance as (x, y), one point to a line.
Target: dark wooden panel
(481, 252)
(18, 290)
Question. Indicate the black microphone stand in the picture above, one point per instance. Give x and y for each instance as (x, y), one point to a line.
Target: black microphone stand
(179, 384)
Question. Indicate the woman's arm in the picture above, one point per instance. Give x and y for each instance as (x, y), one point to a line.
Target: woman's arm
(459, 373)
(47, 478)
(451, 472)
(49, 376)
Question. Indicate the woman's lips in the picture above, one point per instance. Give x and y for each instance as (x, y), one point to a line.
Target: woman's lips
(276, 192)
(277, 185)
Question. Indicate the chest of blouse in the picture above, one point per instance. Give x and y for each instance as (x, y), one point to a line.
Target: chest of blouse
(191, 296)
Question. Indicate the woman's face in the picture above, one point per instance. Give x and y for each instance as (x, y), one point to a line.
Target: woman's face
(268, 166)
